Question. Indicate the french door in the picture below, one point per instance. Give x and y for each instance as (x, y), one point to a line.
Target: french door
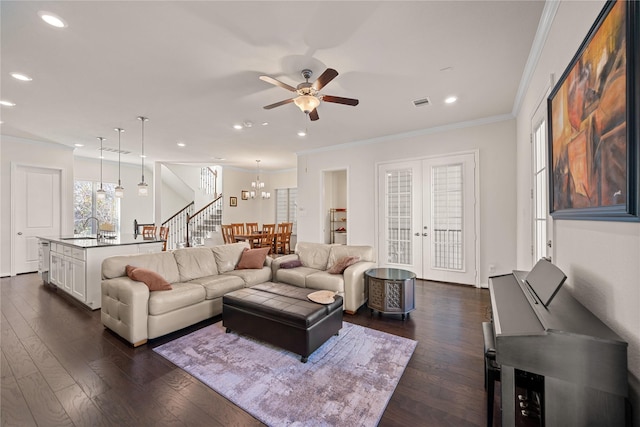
(427, 217)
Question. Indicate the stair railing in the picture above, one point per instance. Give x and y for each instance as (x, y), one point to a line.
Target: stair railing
(209, 181)
(178, 227)
(206, 220)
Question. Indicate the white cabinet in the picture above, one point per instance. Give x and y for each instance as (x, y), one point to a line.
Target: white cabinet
(77, 270)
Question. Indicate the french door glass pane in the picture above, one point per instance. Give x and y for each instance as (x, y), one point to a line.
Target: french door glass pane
(446, 213)
(399, 216)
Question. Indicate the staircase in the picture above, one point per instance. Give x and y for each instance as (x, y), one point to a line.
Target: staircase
(204, 223)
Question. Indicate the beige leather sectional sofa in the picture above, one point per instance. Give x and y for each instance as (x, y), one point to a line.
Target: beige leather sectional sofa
(316, 258)
(199, 277)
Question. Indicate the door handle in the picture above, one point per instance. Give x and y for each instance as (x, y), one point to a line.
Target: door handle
(424, 234)
(19, 233)
(417, 234)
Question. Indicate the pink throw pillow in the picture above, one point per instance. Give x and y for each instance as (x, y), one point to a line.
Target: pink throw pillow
(252, 258)
(341, 265)
(153, 280)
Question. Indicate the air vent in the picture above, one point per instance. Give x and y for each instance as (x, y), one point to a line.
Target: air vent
(115, 150)
(422, 102)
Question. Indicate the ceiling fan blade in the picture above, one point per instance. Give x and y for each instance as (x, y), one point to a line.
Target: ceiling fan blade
(313, 115)
(277, 104)
(340, 100)
(328, 75)
(277, 83)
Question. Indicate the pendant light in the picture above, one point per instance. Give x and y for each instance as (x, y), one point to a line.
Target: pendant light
(143, 188)
(101, 194)
(119, 188)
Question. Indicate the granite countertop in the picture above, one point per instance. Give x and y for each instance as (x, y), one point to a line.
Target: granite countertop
(81, 241)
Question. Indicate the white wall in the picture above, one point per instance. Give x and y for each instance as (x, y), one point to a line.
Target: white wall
(600, 259)
(495, 141)
(258, 210)
(19, 151)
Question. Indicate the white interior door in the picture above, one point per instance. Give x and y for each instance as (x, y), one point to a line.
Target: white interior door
(449, 230)
(36, 212)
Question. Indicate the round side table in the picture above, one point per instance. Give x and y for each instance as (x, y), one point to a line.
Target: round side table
(390, 290)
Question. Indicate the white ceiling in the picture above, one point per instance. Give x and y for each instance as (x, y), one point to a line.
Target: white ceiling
(193, 68)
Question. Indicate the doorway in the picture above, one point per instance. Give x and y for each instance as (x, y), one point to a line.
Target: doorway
(336, 213)
(35, 196)
(427, 216)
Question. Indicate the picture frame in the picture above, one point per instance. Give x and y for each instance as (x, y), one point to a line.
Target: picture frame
(233, 201)
(244, 195)
(593, 129)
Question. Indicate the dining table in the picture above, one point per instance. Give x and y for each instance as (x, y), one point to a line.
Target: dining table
(252, 238)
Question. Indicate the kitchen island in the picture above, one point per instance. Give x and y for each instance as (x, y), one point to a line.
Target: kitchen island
(74, 263)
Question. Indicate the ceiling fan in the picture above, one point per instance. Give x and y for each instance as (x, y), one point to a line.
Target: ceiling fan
(309, 96)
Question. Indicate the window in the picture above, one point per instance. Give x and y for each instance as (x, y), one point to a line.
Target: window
(539, 193)
(398, 216)
(286, 206)
(86, 205)
(446, 217)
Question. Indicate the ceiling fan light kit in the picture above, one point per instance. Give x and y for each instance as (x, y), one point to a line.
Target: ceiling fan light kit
(309, 96)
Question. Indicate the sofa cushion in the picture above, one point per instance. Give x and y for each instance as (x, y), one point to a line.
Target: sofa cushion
(218, 285)
(195, 262)
(341, 265)
(313, 255)
(366, 253)
(252, 258)
(325, 280)
(163, 263)
(252, 276)
(182, 295)
(294, 276)
(153, 280)
(227, 256)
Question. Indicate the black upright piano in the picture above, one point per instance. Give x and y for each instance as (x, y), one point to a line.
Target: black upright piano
(541, 329)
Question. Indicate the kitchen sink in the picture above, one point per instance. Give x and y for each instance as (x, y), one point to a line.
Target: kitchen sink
(78, 238)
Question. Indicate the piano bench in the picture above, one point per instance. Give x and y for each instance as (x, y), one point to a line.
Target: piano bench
(491, 368)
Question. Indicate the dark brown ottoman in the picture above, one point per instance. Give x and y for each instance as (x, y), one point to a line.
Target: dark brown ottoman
(282, 315)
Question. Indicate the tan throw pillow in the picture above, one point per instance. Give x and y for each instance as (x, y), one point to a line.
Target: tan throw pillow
(341, 265)
(252, 258)
(153, 280)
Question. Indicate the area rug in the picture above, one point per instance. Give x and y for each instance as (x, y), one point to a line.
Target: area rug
(346, 382)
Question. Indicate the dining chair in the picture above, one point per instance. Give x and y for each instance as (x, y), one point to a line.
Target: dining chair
(164, 235)
(251, 227)
(149, 231)
(238, 228)
(227, 233)
(268, 236)
(283, 237)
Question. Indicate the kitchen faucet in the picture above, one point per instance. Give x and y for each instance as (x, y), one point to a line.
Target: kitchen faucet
(86, 221)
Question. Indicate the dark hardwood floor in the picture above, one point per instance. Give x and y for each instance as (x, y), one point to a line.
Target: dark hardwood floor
(61, 367)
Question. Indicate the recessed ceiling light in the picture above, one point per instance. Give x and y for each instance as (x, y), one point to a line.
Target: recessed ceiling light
(7, 103)
(451, 100)
(79, 145)
(302, 133)
(22, 77)
(143, 156)
(265, 123)
(181, 144)
(238, 127)
(52, 19)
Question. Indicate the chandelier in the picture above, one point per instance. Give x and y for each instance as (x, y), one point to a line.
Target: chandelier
(257, 186)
